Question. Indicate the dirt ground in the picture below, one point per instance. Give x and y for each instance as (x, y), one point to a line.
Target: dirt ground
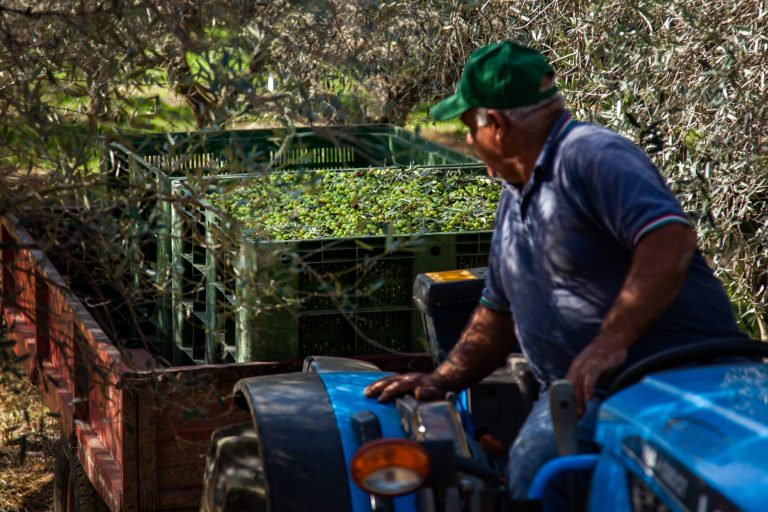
(27, 439)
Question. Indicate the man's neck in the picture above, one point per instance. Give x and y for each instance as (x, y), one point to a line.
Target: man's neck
(536, 136)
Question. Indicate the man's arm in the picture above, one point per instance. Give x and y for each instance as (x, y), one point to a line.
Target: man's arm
(482, 348)
(659, 267)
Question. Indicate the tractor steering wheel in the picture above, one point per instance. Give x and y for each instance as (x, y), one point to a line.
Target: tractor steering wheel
(701, 353)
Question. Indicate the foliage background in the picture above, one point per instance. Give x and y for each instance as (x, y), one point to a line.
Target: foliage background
(685, 79)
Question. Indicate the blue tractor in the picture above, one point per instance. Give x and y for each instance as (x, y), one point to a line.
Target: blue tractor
(686, 430)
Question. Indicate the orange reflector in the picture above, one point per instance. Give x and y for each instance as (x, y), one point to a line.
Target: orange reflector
(390, 467)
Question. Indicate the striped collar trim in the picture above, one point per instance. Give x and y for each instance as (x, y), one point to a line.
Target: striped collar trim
(561, 127)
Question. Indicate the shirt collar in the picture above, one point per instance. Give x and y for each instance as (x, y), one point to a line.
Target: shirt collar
(558, 130)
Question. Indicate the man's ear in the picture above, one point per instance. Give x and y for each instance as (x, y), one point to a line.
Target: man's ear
(500, 124)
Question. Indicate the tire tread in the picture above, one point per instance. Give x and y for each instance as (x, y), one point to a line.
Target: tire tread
(234, 472)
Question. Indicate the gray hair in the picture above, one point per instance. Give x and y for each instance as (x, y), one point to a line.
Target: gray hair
(519, 114)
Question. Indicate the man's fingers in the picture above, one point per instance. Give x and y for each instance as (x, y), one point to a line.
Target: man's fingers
(387, 394)
(578, 378)
(395, 386)
(391, 387)
(373, 390)
(589, 386)
(395, 389)
(581, 395)
(584, 389)
(578, 393)
(583, 373)
(428, 392)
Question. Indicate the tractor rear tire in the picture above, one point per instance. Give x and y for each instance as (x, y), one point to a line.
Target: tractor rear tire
(72, 491)
(234, 472)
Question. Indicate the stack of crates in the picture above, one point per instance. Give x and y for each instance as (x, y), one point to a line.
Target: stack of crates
(265, 300)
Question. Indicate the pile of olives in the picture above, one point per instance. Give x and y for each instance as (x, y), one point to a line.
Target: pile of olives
(329, 204)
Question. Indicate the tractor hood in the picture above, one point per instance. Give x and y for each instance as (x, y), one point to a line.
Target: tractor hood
(697, 430)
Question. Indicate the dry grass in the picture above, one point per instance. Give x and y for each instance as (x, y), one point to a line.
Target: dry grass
(27, 440)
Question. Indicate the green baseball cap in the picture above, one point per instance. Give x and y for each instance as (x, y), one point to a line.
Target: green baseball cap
(500, 75)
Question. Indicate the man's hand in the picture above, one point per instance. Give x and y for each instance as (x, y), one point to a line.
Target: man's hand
(483, 347)
(600, 356)
(423, 386)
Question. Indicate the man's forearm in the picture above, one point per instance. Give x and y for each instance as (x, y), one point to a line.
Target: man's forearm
(659, 268)
(486, 341)
(482, 348)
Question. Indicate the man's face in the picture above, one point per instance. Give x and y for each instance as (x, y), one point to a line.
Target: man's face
(481, 138)
(493, 144)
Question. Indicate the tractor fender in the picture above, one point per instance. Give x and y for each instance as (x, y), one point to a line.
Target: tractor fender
(306, 436)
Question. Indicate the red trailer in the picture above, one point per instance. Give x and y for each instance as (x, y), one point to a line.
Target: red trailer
(134, 432)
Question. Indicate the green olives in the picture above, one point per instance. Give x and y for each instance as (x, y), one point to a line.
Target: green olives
(329, 204)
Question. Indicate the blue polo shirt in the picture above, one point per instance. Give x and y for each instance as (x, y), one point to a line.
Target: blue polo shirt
(563, 245)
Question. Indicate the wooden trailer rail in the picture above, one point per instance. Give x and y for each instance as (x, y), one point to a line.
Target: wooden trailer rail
(76, 366)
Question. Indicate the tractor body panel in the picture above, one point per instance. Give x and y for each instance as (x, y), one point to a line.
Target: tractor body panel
(694, 439)
(345, 393)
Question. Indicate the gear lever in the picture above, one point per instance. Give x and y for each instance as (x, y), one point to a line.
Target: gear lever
(565, 419)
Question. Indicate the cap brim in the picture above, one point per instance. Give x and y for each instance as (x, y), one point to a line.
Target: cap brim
(452, 106)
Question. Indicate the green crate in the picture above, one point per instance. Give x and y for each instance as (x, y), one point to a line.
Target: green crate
(241, 324)
(358, 320)
(239, 151)
(215, 312)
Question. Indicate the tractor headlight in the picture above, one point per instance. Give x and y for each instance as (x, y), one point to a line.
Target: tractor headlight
(390, 467)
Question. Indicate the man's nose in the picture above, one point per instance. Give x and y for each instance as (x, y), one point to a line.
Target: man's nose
(470, 140)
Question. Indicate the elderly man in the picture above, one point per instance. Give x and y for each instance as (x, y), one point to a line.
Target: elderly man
(593, 264)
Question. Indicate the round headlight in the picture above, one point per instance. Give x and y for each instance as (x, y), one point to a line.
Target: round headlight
(390, 467)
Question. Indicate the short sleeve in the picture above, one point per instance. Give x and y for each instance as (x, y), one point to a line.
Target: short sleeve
(625, 192)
